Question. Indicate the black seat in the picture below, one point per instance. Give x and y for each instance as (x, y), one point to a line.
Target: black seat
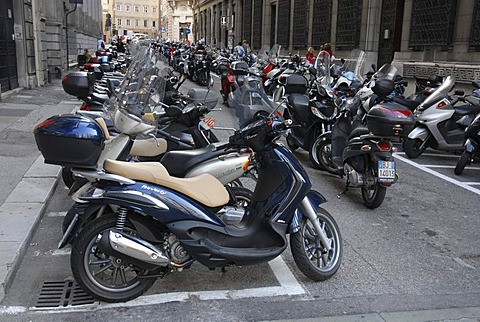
(179, 162)
(299, 103)
(467, 109)
(359, 131)
(411, 105)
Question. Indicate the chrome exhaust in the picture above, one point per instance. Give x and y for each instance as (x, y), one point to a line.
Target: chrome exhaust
(132, 249)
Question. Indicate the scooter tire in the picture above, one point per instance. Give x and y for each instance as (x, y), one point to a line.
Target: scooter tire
(324, 155)
(83, 250)
(462, 163)
(373, 198)
(413, 148)
(67, 177)
(312, 261)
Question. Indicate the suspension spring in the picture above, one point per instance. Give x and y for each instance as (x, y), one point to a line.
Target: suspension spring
(121, 218)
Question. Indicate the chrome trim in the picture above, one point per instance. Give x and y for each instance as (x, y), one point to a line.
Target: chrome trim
(137, 248)
(97, 175)
(309, 212)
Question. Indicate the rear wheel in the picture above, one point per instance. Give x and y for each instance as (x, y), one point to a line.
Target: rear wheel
(413, 148)
(105, 277)
(67, 177)
(373, 196)
(324, 155)
(310, 254)
(462, 163)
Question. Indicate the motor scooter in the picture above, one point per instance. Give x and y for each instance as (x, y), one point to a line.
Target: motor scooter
(472, 146)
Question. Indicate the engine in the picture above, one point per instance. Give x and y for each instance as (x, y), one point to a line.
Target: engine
(231, 215)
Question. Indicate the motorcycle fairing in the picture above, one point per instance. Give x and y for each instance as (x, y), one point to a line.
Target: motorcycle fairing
(471, 145)
(420, 132)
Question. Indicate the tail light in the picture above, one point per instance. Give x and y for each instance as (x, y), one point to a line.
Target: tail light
(85, 107)
(384, 145)
(43, 124)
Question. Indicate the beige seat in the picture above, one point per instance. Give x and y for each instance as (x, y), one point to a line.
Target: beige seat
(204, 188)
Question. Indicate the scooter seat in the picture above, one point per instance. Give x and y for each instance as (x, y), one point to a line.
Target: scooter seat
(358, 132)
(204, 188)
(467, 109)
(411, 105)
(299, 103)
(179, 162)
(99, 97)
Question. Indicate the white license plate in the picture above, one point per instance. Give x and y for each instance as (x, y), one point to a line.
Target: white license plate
(386, 171)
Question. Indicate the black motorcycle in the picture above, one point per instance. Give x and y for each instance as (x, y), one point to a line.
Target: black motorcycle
(199, 68)
(364, 154)
(472, 145)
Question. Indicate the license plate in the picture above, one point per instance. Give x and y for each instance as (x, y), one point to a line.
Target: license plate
(386, 171)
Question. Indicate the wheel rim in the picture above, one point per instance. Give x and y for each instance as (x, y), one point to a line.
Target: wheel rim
(321, 259)
(109, 273)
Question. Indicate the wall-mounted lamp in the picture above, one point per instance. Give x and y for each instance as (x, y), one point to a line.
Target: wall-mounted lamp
(43, 19)
(386, 34)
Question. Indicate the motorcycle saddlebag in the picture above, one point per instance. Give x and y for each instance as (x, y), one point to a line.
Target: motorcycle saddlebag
(70, 140)
(203, 95)
(79, 84)
(390, 120)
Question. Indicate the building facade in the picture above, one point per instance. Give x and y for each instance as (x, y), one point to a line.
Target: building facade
(128, 17)
(420, 37)
(40, 38)
(177, 20)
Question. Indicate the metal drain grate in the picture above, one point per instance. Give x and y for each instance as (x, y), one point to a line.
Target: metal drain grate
(62, 294)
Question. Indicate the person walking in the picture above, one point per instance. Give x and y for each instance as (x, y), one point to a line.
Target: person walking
(100, 44)
(328, 48)
(239, 49)
(310, 56)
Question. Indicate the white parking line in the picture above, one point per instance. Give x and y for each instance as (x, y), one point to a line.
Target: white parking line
(437, 174)
(440, 166)
(436, 155)
(288, 286)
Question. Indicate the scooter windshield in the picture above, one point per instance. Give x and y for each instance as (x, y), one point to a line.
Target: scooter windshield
(387, 71)
(322, 65)
(354, 63)
(439, 93)
(249, 101)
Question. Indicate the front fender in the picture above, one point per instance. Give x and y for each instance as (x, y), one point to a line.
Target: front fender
(316, 199)
(420, 132)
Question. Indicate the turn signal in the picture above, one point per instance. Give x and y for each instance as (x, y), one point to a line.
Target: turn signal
(366, 148)
(441, 104)
(246, 165)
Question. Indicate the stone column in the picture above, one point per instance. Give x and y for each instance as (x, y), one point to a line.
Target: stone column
(463, 26)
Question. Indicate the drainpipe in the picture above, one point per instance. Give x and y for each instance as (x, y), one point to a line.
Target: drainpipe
(66, 30)
(37, 45)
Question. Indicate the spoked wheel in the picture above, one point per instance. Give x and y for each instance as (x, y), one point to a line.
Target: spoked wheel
(310, 254)
(106, 278)
(323, 151)
(373, 195)
(462, 163)
(413, 148)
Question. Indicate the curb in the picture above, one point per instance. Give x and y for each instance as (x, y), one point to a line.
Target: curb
(22, 210)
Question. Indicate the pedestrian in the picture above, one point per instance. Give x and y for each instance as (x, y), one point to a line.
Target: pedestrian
(100, 44)
(310, 56)
(87, 55)
(239, 49)
(328, 48)
(246, 47)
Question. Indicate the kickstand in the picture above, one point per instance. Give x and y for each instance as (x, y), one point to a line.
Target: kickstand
(345, 190)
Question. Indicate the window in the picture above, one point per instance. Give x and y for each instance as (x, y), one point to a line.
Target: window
(145, 23)
(136, 8)
(153, 24)
(154, 9)
(119, 22)
(137, 23)
(127, 22)
(145, 9)
(118, 7)
(127, 8)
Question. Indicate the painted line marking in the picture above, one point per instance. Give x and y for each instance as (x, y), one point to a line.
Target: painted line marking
(437, 174)
(288, 286)
(436, 155)
(440, 166)
(472, 183)
(57, 214)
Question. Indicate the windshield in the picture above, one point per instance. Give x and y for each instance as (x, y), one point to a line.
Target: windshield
(275, 51)
(353, 65)
(250, 100)
(386, 71)
(264, 53)
(322, 65)
(132, 108)
(439, 93)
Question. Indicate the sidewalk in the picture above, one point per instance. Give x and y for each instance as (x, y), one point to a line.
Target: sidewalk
(22, 209)
(27, 181)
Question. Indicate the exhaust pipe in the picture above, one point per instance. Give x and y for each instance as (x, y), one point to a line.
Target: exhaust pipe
(132, 249)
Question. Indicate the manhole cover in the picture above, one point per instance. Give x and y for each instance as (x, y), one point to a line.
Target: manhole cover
(62, 294)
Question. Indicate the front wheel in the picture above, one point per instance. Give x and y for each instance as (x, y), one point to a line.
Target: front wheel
(323, 152)
(105, 277)
(203, 78)
(67, 177)
(413, 148)
(462, 163)
(373, 196)
(310, 254)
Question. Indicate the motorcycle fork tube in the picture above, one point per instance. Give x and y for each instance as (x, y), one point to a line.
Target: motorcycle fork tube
(310, 213)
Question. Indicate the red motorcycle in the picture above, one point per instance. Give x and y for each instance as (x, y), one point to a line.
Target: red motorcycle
(232, 77)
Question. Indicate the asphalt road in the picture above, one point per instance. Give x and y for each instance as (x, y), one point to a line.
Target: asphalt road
(419, 250)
